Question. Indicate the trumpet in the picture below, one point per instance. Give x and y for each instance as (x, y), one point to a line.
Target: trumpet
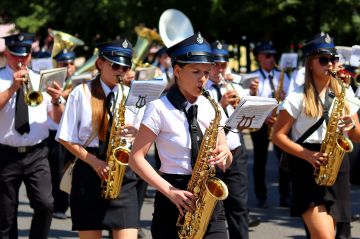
(31, 97)
(229, 86)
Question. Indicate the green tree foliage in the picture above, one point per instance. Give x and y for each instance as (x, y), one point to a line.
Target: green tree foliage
(282, 21)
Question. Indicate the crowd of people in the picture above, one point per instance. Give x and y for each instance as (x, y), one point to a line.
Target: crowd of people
(43, 131)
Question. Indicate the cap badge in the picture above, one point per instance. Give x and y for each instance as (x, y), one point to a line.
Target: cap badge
(199, 39)
(125, 44)
(219, 46)
(21, 37)
(65, 51)
(327, 39)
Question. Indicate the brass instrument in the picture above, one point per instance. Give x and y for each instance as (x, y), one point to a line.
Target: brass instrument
(117, 154)
(63, 41)
(334, 143)
(206, 188)
(174, 26)
(31, 97)
(143, 43)
(278, 98)
(229, 84)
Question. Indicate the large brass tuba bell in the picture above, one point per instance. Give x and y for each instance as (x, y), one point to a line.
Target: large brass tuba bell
(63, 41)
(143, 43)
(174, 26)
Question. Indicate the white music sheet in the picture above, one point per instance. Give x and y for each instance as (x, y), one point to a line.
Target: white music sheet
(144, 91)
(251, 112)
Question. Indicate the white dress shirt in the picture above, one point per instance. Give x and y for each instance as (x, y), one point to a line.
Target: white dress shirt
(76, 123)
(38, 115)
(172, 129)
(293, 104)
(233, 139)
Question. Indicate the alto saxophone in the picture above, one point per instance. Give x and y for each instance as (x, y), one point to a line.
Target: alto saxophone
(334, 144)
(206, 188)
(117, 154)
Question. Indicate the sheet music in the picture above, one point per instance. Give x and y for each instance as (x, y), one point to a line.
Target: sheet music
(144, 91)
(47, 77)
(251, 112)
(247, 78)
(288, 60)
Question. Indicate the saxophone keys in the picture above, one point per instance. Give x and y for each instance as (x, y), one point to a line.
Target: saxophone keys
(196, 190)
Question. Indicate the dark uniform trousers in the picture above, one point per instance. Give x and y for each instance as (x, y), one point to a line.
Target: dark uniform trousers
(32, 168)
(235, 205)
(58, 158)
(261, 142)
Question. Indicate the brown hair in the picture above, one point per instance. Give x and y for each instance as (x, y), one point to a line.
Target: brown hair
(312, 102)
(99, 119)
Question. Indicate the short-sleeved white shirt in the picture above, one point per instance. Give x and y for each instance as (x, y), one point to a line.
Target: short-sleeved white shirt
(293, 104)
(233, 139)
(38, 115)
(76, 123)
(172, 129)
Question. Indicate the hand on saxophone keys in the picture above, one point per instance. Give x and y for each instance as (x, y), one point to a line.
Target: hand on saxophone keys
(184, 200)
(220, 155)
(346, 123)
(317, 159)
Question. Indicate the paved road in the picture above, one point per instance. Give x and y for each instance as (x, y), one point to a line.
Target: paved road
(276, 222)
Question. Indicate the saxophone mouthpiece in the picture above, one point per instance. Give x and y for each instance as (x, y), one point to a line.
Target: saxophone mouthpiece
(205, 93)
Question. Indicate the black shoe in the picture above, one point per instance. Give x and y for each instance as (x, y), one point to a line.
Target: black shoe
(141, 234)
(253, 220)
(261, 203)
(59, 215)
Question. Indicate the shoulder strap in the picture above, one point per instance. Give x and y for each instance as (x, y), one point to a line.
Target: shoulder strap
(328, 100)
(310, 130)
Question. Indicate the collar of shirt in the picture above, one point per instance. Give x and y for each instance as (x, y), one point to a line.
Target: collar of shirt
(107, 90)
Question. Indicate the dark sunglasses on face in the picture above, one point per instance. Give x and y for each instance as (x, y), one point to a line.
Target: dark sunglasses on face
(116, 67)
(324, 60)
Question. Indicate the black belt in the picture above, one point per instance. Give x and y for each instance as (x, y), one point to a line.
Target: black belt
(22, 149)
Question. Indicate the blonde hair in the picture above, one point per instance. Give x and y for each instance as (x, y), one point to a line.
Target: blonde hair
(312, 103)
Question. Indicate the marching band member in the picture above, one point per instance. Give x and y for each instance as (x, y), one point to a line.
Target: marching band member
(267, 85)
(236, 178)
(320, 207)
(58, 155)
(87, 109)
(23, 149)
(165, 123)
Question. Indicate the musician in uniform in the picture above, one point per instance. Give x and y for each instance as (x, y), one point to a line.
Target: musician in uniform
(267, 85)
(23, 129)
(58, 155)
(165, 122)
(227, 95)
(306, 112)
(84, 130)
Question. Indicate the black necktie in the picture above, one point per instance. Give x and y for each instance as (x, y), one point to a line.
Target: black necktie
(195, 133)
(271, 77)
(109, 103)
(219, 95)
(21, 113)
(218, 92)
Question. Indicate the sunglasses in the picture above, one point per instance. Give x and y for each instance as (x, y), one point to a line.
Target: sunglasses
(324, 60)
(116, 67)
